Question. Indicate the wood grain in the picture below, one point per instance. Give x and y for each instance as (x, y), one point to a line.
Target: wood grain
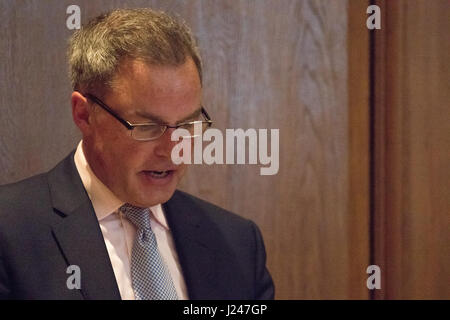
(359, 149)
(268, 64)
(413, 148)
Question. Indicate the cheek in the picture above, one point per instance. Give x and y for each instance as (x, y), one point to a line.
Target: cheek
(137, 156)
(106, 136)
(182, 170)
(118, 154)
(130, 159)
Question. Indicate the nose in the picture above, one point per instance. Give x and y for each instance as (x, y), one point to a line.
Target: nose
(165, 144)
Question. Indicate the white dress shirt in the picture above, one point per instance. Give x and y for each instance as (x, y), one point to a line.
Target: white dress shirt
(118, 232)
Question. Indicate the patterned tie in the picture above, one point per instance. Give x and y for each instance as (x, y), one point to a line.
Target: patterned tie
(149, 274)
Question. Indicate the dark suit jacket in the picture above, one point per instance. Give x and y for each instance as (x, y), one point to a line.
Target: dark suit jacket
(47, 223)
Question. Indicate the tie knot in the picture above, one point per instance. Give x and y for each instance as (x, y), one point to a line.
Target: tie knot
(140, 217)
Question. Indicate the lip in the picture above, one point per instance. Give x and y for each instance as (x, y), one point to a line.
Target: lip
(168, 166)
(161, 169)
(148, 178)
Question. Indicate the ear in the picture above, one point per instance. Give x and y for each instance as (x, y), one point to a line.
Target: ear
(81, 113)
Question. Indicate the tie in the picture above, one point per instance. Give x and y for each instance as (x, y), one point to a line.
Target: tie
(149, 274)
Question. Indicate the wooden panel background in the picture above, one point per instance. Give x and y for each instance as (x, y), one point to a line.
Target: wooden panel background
(268, 64)
(412, 150)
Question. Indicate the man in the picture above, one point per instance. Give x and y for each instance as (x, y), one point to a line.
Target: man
(107, 222)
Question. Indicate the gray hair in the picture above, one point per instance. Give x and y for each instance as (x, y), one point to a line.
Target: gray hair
(97, 49)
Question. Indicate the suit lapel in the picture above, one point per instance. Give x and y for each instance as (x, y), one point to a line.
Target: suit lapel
(193, 243)
(78, 233)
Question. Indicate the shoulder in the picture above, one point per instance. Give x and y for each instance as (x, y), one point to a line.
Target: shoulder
(210, 211)
(31, 198)
(23, 199)
(213, 221)
(23, 191)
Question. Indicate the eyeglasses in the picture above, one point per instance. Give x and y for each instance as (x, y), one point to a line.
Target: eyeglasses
(152, 131)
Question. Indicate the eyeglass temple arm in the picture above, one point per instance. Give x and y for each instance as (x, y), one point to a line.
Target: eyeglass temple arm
(111, 112)
(206, 114)
(128, 125)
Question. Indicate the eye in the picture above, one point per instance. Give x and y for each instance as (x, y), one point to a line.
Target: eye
(147, 132)
(150, 129)
(190, 126)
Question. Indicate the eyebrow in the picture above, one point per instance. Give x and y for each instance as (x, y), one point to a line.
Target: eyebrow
(158, 119)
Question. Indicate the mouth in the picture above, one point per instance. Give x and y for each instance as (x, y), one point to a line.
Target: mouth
(158, 174)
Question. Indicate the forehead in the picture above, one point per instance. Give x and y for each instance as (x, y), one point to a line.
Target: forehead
(169, 92)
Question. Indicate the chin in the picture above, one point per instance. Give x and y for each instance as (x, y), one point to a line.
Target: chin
(154, 197)
(150, 191)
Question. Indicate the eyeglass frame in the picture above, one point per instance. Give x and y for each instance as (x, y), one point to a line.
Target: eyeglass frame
(130, 126)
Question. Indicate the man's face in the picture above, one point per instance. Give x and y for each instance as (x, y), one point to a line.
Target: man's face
(142, 93)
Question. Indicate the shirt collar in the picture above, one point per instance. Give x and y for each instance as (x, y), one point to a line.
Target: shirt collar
(103, 200)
